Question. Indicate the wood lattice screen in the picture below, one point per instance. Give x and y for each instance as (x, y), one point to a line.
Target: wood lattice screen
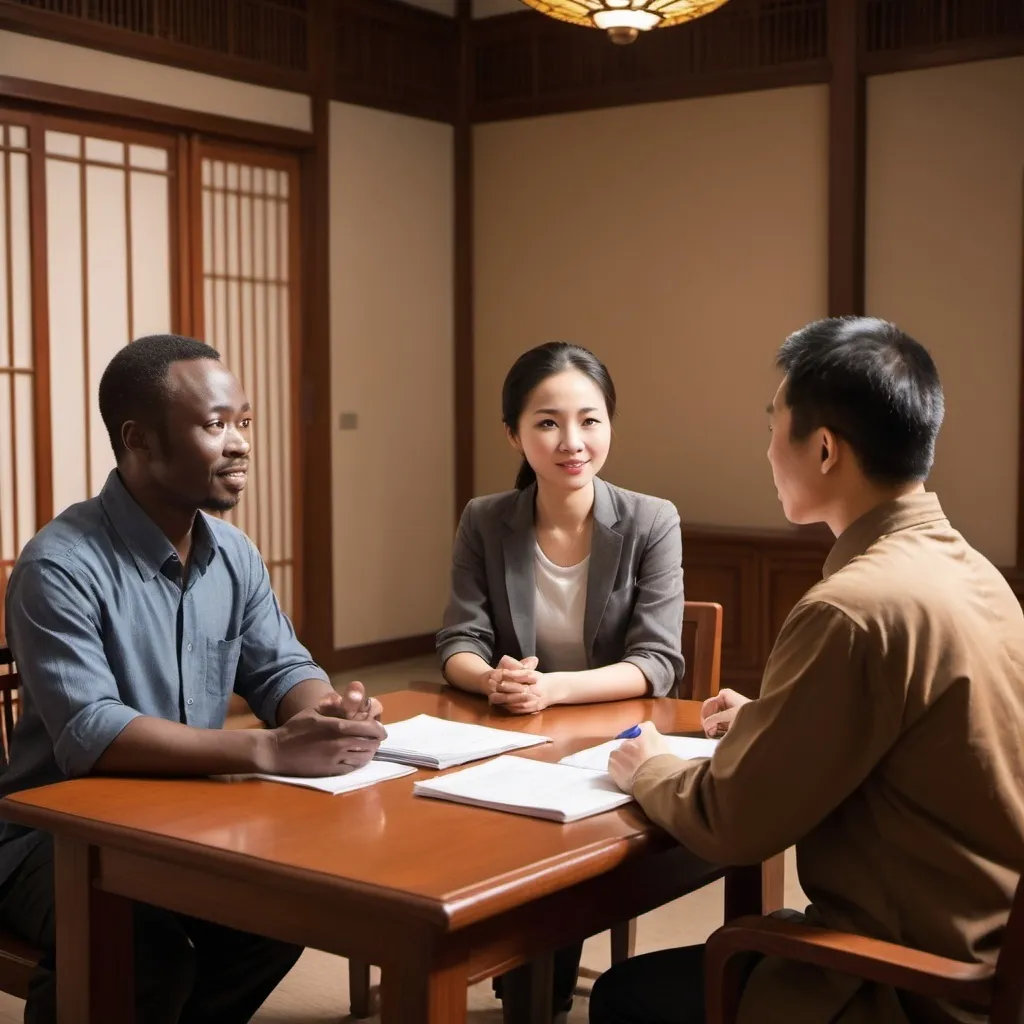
(93, 248)
(248, 285)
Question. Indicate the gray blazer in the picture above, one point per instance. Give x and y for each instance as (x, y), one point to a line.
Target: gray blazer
(634, 609)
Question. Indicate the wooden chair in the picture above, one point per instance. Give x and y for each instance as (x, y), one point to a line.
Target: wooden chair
(702, 652)
(999, 989)
(17, 959)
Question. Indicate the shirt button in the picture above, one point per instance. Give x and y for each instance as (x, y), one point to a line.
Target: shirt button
(189, 648)
(190, 701)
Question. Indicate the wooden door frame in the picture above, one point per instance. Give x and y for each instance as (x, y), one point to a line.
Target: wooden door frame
(313, 586)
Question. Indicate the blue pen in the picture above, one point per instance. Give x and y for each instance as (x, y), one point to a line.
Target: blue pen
(629, 734)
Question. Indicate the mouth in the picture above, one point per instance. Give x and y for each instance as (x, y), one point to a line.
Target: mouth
(573, 465)
(235, 476)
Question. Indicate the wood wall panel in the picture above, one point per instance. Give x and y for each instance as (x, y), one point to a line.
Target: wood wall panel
(757, 577)
(263, 41)
(395, 57)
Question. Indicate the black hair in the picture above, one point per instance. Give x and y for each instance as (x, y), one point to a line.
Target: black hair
(873, 385)
(535, 366)
(134, 384)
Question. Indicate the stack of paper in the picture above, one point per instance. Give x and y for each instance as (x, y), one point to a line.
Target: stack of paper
(520, 785)
(596, 758)
(428, 742)
(369, 774)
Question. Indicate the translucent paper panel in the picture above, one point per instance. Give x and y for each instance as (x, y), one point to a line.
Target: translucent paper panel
(15, 263)
(104, 151)
(108, 300)
(67, 335)
(150, 254)
(17, 463)
(109, 270)
(63, 144)
(148, 157)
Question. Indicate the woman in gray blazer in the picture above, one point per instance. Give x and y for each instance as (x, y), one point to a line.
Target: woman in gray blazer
(568, 589)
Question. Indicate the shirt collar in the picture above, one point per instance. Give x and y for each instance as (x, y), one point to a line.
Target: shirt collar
(145, 541)
(889, 517)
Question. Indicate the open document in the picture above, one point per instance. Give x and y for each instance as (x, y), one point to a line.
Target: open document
(428, 742)
(520, 785)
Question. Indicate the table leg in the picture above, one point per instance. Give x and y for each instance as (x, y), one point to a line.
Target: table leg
(756, 889)
(526, 992)
(414, 991)
(95, 932)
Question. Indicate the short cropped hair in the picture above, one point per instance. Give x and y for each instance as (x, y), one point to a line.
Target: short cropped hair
(134, 384)
(873, 385)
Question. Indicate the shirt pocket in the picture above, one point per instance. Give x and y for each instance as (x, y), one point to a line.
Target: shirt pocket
(222, 666)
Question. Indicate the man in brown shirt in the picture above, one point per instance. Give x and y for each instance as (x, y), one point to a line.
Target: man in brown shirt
(887, 743)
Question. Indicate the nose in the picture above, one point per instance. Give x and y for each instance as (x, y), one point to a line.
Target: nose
(571, 441)
(237, 443)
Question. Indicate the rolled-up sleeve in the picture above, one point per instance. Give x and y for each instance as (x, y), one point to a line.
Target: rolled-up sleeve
(55, 630)
(272, 660)
(654, 636)
(468, 625)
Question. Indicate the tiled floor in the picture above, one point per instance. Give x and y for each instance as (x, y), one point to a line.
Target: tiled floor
(316, 991)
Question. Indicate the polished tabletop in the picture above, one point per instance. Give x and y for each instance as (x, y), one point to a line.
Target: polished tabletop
(441, 861)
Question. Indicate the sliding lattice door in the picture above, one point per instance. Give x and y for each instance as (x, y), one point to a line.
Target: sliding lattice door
(246, 299)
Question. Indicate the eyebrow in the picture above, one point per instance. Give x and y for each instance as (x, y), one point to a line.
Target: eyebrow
(555, 412)
(230, 408)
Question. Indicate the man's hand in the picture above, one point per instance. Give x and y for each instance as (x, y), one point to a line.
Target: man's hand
(630, 755)
(717, 713)
(337, 736)
(353, 704)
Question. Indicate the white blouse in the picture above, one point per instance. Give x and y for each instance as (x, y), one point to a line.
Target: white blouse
(561, 602)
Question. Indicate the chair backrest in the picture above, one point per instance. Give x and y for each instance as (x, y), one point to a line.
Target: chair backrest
(1008, 989)
(9, 700)
(702, 650)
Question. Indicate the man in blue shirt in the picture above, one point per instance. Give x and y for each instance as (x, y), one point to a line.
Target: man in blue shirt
(133, 616)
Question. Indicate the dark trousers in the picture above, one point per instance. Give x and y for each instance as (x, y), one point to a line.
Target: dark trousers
(566, 972)
(187, 971)
(666, 987)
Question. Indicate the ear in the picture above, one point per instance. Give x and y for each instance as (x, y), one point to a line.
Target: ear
(513, 439)
(136, 438)
(829, 445)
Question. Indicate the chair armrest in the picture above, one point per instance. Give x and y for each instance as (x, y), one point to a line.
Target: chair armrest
(885, 963)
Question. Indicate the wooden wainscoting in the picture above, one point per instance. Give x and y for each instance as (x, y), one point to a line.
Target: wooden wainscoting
(756, 576)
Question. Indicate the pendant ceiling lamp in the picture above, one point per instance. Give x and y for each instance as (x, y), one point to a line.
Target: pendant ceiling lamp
(624, 20)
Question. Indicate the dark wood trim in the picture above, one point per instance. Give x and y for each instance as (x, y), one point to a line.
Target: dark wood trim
(1020, 426)
(316, 423)
(811, 73)
(847, 161)
(140, 113)
(40, 325)
(463, 263)
(889, 62)
(79, 32)
(380, 653)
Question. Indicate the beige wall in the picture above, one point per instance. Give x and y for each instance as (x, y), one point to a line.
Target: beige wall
(681, 242)
(391, 364)
(77, 67)
(944, 215)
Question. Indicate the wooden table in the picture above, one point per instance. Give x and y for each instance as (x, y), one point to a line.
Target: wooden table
(439, 895)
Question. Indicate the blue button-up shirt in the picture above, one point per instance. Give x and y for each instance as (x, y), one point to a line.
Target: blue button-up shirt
(103, 629)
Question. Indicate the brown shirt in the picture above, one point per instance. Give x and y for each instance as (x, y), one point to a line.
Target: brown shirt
(888, 746)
